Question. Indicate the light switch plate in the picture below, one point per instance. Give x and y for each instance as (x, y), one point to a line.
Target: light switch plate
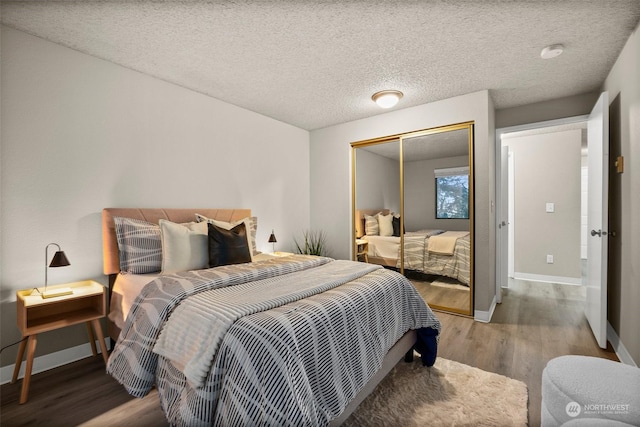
(549, 259)
(551, 207)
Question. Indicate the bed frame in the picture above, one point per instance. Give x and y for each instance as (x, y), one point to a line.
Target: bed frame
(111, 261)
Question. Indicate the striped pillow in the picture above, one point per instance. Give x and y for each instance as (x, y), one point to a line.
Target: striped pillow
(139, 245)
(371, 227)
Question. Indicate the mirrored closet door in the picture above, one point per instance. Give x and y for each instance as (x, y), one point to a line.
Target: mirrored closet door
(413, 210)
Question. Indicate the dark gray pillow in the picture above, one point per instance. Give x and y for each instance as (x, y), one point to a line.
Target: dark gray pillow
(228, 246)
(395, 221)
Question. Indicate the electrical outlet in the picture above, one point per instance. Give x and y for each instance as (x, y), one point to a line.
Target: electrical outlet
(549, 259)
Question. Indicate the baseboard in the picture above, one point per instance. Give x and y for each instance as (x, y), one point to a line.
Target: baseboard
(485, 316)
(621, 351)
(562, 280)
(51, 360)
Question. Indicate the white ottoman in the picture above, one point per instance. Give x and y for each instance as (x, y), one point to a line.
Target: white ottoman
(590, 391)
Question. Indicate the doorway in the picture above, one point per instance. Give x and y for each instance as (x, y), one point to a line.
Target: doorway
(540, 166)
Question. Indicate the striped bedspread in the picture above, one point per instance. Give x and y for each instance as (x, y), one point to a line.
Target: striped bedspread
(417, 256)
(415, 248)
(299, 363)
(456, 266)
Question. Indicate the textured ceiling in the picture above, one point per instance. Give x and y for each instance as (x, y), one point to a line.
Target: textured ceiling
(314, 64)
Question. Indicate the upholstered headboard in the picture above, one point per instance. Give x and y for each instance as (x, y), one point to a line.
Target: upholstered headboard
(360, 213)
(111, 259)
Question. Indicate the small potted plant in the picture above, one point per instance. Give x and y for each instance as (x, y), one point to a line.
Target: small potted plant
(313, 243)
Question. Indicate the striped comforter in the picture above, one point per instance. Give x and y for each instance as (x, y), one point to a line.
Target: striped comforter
(299, 363)
(456, 266)
(417, 256)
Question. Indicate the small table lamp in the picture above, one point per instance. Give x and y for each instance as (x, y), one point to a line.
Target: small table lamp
(272, 239)
(59, 260)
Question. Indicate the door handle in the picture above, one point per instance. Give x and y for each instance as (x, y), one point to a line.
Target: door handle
(598, 233)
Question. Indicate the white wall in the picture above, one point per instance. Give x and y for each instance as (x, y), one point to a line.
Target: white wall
(547, 170)
(80, 134)
(623, 85)
(331, 179)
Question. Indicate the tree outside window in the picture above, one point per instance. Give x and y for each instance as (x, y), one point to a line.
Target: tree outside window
(452, 196)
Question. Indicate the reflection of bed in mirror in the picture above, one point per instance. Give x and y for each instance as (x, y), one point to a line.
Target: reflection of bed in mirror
(425, 176)
(426, 252)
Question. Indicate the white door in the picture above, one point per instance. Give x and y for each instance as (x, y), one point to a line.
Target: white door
(598, 216)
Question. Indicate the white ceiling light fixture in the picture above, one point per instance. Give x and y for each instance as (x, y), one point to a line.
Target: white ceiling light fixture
(552, 51)
(387, 98)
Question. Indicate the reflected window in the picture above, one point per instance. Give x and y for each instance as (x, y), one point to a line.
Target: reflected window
(452, 193)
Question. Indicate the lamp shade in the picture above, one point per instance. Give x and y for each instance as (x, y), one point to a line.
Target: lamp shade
(272, 238)
(59, 260)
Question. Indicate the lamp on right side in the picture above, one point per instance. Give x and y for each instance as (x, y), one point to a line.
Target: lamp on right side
(272, 239)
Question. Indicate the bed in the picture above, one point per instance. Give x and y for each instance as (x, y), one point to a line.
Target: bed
(297, 340)
(431, 252)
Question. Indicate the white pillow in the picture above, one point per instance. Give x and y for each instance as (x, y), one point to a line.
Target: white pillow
(250, 223)
(385, 222)
(184, 246)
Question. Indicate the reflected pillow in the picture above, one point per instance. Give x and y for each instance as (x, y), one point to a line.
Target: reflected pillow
(139, 245)
(385, 224)
(371, 227)
(184, 246)
(396, 226)
(228, 246)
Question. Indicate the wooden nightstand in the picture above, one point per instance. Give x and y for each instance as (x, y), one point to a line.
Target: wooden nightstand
(87, 304)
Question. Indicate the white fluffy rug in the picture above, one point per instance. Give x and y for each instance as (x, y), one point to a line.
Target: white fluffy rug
(447, 394)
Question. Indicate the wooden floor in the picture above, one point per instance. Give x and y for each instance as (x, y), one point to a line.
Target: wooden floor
(535, 323)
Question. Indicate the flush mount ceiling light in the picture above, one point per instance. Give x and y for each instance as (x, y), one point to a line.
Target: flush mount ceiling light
(387, 98)
(551, 51)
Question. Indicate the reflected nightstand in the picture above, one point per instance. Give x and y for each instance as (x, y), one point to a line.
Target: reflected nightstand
(362, 250)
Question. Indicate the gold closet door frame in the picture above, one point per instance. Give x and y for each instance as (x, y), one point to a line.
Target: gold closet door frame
(401, 137)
